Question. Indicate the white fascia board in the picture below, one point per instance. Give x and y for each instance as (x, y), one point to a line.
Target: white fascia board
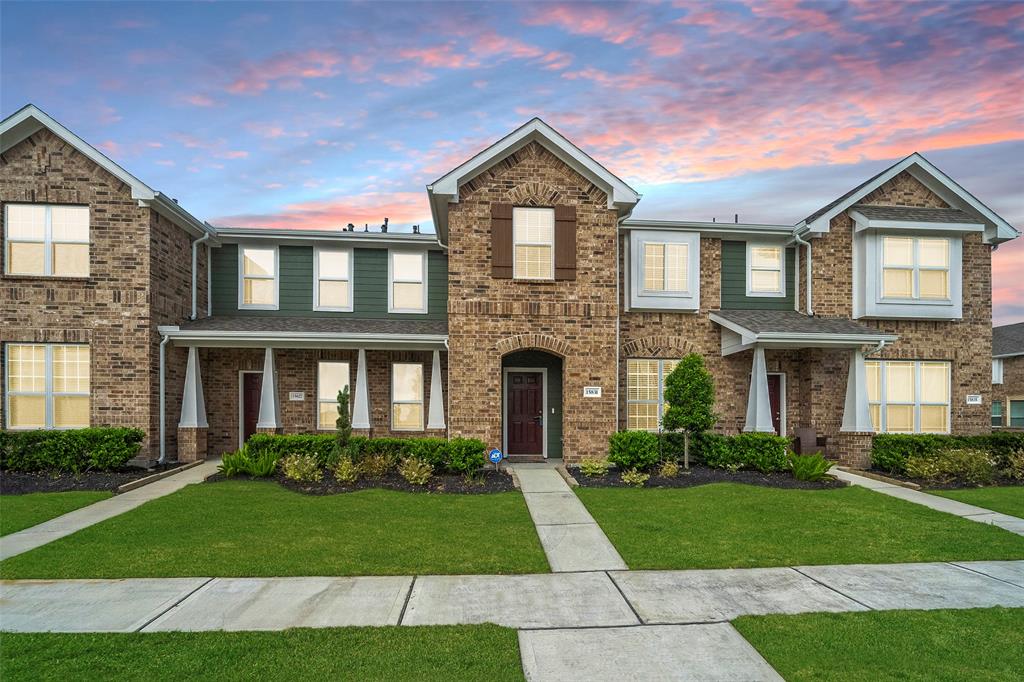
(865, 223)
(1008, 355)
(822, 222)
(950, 191)
(748, 337)
(245, 339)
(712, 230)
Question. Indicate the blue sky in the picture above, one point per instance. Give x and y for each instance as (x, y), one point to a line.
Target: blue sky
(320, 114)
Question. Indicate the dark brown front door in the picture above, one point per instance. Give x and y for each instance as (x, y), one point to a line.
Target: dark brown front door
(525, 413)
(775, 400)
(252, 382)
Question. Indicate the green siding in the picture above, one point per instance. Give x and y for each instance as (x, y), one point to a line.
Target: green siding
(734, 281)
(533, 358)
(369, 281)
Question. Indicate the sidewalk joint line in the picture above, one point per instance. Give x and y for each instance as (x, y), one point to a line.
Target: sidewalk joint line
(829, 587)
(624, 597)
(174, 605)
(973, 570)
(542, 628)
(408, 596)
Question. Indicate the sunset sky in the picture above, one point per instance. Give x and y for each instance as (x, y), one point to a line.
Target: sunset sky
(320, 114)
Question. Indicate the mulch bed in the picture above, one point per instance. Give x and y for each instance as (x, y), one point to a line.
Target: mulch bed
(950, 485)
(702, 475)
(488, 481)
(23, 482)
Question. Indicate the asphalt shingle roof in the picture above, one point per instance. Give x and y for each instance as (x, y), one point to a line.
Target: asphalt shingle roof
(1008, 339)
(792, 322)
(335, 325)
(826, 208)
(914, 214)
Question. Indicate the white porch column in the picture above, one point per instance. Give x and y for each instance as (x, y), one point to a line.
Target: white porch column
(856, 414)
(361, 406)
(759, 409)
(435, 417)
(193, 407)
(270, 411)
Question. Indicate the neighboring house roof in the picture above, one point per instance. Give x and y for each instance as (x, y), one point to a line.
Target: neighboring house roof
(996, 228)
(358, 237)
(743, 329)
(445, 190)
(1008, 340)
(30, 119)
(913, 214)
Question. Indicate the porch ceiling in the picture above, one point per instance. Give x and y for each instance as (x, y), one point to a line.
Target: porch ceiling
(743, 329)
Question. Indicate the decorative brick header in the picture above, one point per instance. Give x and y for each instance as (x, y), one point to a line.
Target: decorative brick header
(533, 341)
(658, 347)
(534, 194)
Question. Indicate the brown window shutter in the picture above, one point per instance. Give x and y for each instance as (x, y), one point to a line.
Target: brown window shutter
(565, 242)
(501, 241)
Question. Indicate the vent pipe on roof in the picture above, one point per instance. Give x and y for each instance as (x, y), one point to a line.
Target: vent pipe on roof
(350, 227)
(384, 227)
(415, 229)
(736, 217)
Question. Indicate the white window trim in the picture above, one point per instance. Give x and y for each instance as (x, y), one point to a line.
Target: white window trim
(636, 297)
(47, 242)
(242, 305)
(661, 391)
(347, 253)
(997, 370)
(392, 281)
(915, 270)
(666, 291)
(48, 393)
(550, 245)
(421, 402)
(781, 293)
(881, 427)
(319, 401)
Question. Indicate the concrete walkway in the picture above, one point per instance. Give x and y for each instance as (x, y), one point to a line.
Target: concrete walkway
(72, 522)
(571, 538)
(942, 504)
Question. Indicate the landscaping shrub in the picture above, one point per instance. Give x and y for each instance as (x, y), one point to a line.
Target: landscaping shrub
(1014, 467)
(346, 471)
(319, 446)
(233, 463)
(635, 478)
(764, 452)
(669, 468)
(73, 451)
(465, 455)
(377, 465)
(812, 467)
(433, 451)
(242, 462)
(302, 467)
(592, 466)
(712, 449)
(633, 450)
(415, 470)
(968, 465)
(690, 394)
(890, 451)
(343, 424)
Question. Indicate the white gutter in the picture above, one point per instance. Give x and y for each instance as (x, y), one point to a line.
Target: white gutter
(448, 391)
(799, 240)
(195, 266)
(209, 281)
(163, 404)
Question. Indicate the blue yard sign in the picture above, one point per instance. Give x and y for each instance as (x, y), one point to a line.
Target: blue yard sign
(495, 455)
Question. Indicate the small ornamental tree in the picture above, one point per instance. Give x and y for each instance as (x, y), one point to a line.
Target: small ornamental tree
(343, 424)
(690, 394)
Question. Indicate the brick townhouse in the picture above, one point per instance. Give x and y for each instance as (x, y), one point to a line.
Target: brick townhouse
(540, 317)
(1008, 376)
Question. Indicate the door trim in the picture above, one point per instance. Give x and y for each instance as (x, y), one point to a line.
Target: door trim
(241, 403)
(782, 400)
(544, 401)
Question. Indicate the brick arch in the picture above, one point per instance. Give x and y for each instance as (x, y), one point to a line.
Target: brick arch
(661, 346)
(534, 194)
(534, 342)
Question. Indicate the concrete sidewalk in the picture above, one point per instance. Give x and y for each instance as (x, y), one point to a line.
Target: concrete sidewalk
(72, 522)
(571, 538)
(942, 504)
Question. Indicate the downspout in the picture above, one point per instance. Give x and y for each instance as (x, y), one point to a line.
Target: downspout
(876, 349)
(195, 265)
(619, 273)
(799, 240)
(163, 401)
(448, 390)
(209, 281)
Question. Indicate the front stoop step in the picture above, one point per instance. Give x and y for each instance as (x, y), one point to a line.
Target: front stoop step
(525, 459)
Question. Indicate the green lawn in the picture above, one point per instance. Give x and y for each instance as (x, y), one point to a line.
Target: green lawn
(18, 512)
(1006, 499)
(257, 528)
(467, 652)
(729, 525)
(952, 645)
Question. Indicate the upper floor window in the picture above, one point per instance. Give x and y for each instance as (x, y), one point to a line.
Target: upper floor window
(666, 267)
(47, 386)
(997, 370)
(915, 268)
(645, 392)
(766, 270)
(908, 396)
(533, 243)
(257, 282)
(47, 240)
(332, 286)
(407, 290)
(331, 377)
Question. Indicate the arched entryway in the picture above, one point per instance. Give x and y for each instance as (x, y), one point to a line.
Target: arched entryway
(531, 404)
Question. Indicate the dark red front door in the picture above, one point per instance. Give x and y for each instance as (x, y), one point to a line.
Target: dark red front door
(525, 413)
(252, 382)
(775, 400)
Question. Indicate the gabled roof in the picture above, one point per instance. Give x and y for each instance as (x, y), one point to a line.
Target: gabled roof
(1008, 340)
(913, 214)
(996, 228)
(743, 329)
(445, 189)
(30, 119)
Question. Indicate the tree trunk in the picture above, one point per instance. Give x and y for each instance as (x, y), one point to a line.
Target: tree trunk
(686, 450)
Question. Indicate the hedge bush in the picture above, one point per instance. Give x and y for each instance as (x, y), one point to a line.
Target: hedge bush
(633, 450)
(322, 447)
(891, 451)
(761, 451)
(963, 464)
(73, 451)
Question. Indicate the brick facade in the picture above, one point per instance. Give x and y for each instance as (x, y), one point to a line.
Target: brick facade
(1012, 387)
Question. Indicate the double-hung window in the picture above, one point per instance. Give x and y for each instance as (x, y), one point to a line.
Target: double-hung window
(47, 386)
(331, 377)
(1015, 413)
(406, 396)
(533, 243)
(47, 240)
(257, 282)
(909, 396)
(997, 370)
(915, 268)
(645, 392)
(407, 292)
(332, 288)
(666, 267)
(997, 413)
(766, 270)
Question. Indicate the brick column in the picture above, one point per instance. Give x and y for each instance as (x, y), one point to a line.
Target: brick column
(191, 443)
(853, 448)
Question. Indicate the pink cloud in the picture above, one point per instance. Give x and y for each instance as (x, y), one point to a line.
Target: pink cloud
(133, 24)
(272, 130)
(200, 100)
(402, 208)
(109, 147)
(235, 154)
(439, 56)
(998, 14)
(290, 67)
(586, 19)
